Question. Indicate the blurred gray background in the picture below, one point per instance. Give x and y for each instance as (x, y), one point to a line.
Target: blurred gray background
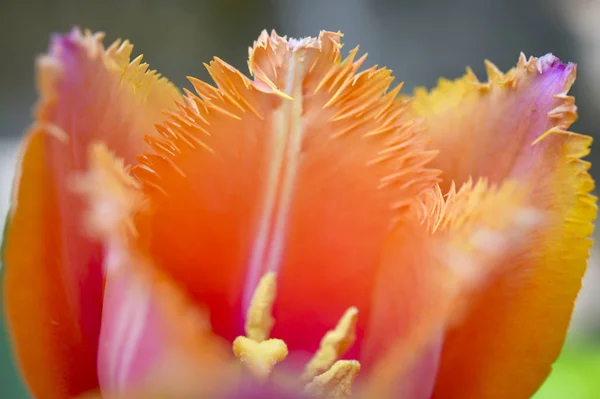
(420, 40)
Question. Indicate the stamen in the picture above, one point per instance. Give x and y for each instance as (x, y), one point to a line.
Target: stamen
(259, 319)
(335, 383)
(333, 345)
(260, 357)
(325, 376)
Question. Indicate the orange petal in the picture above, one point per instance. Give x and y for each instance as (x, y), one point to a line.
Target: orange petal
(44, 330)
(303, 171)
(86, 93)
(153, 339)
(514, 126)
(429, 274)
(506, 345)
(401, 295)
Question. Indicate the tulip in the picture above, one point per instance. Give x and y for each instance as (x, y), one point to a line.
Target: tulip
(304, 232)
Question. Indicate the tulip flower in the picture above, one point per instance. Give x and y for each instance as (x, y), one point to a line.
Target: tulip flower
(301, 231)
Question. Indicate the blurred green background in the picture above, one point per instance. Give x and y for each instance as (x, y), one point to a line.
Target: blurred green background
(419, 39)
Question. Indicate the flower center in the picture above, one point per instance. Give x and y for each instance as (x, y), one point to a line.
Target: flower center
(324, 376)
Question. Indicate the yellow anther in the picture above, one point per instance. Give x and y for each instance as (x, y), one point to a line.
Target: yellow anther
(333, 345)
(324, 376)
(260, 357)
(335, 383)
(259, 320)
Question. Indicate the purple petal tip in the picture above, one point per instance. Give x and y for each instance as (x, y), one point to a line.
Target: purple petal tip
(551, 62)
